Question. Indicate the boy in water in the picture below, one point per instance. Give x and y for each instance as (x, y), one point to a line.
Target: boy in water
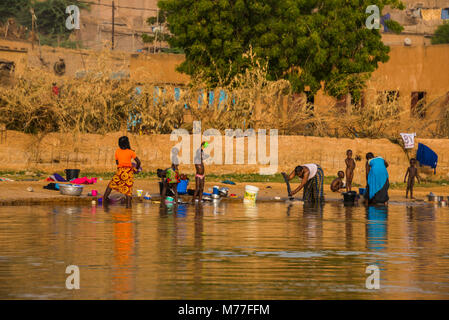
(412, 172)
(350, 166)
(199, 176)
(338, 184)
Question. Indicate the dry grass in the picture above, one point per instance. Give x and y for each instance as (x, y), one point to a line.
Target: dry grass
(97, 104)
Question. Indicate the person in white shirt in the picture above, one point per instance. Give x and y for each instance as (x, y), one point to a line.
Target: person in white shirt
(312, 178)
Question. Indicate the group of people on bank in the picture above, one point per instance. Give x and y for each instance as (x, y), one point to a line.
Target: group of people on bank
(311, 176)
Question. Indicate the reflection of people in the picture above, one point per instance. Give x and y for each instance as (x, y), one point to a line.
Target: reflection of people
(312, 181)
(123, 254)
(123, 180)
(412, 173)
(338, 184)
(377, 180)
(376, 227)
(350, 166)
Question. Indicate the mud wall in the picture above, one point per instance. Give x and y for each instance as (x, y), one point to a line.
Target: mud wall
(89, 152)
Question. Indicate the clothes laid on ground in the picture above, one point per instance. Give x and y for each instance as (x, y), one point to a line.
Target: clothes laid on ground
(378, 184)
(56, 177)
(409, 140)
(5, 179)
(313, 190)
(124, 157)
(228, 182)
(84, 180)
(123, 180)
(426, 156)
(52, 186)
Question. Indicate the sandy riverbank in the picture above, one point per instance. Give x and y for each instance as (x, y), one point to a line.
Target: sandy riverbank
(15, 192)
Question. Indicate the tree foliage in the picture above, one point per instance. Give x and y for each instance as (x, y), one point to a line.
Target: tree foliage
(304, 41)
(441, 34)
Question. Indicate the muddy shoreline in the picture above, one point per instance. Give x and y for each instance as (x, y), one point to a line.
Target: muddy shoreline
(15, 193)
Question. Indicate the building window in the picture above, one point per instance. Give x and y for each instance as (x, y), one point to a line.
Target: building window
(310, 99)
(418, 104)
(445, 14)
(387, 97)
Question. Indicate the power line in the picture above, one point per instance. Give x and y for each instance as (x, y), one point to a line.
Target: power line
(118, 7)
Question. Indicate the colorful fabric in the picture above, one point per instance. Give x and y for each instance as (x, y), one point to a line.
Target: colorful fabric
(377, 176)
(84, 180)
(380, 196)
(123, 181)
(172, 176)
(124, 157)
(313, 190)
(426, 156)
(409, 140)
(431, 14)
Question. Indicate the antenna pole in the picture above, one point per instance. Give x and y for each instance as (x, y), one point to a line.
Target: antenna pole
(113, 23)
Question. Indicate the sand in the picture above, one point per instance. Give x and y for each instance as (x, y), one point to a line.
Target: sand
(15, 192)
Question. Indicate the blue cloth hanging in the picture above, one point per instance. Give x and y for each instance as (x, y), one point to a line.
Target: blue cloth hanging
(222, 98)
(427, 157)
(177, 94)
(382, 21)
(200, 99)
(211, 98)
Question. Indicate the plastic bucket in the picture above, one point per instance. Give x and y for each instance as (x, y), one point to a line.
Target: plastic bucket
(349, 196)
(71, 174)
(250, 194)
(182, 186)
(216, 190)
(362, 191)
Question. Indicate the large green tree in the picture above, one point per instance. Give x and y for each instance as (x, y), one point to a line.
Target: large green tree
(304, 41)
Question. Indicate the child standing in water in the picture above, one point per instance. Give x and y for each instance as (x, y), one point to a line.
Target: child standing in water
(123, 179)
(350, 166)
(412, 172)
(200, 175)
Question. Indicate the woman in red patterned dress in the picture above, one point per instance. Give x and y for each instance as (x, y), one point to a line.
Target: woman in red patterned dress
(123, 179)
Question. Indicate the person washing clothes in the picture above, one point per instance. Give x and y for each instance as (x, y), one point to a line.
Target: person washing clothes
(200, 175)
(377, 180)
(123, 179)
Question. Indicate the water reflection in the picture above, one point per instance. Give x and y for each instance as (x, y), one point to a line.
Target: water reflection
(122, 273)
(227, 251)
(376, 227)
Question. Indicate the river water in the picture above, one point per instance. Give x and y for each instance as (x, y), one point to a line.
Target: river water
(225, 251)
